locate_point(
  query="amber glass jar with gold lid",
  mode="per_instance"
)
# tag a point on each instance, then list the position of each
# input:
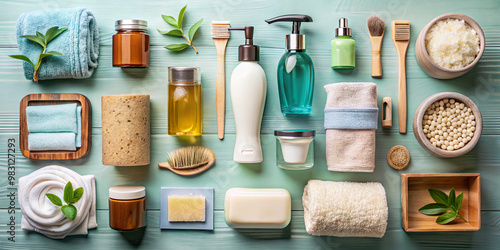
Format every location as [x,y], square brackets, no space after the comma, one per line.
[131,44]
[127,207]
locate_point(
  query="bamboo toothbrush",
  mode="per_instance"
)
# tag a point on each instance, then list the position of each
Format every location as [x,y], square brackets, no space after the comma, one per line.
[401,39]
[376,27]
[220,34]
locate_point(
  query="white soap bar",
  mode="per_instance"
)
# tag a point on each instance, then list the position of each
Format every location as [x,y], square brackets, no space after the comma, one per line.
[257,208]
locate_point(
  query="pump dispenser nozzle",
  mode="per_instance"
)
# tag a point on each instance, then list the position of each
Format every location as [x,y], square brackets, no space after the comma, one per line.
[248,51]
[294,41]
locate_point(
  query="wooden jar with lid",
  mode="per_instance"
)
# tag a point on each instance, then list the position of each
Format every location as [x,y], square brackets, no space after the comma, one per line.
[127,207]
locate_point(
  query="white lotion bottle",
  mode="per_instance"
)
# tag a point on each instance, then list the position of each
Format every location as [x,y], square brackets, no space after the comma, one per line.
[248,95]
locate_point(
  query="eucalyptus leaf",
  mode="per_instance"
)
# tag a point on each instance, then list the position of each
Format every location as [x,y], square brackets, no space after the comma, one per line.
[174,32]
[446,218]
[439,196]
[77,194]
[54,199]
[24,58]
[194,28]
[458,201]
[181,16]
[69,211]
[451,199]
[68,193]
[35,39]
[170,20]
[433,209]
[177,47]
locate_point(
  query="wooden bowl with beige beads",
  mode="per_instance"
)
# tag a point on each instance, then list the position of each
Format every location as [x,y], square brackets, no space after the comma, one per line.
[447,124]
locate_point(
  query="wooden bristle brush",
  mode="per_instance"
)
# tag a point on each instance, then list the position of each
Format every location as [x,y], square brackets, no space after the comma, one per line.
[376,27]
[189,160]
[401,39]
[220,34]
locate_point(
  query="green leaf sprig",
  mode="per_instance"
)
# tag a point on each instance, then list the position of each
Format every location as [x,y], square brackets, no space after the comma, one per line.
[179,32]
[70,197]
[443,204]
[44,41]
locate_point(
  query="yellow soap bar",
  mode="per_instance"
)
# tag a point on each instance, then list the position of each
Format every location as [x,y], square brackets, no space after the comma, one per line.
[186,208]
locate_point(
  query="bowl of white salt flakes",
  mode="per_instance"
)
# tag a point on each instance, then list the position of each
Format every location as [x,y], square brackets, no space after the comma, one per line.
[447,124]
[449,46]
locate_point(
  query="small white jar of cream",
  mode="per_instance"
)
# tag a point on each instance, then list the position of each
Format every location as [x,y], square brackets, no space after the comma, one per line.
[295,149]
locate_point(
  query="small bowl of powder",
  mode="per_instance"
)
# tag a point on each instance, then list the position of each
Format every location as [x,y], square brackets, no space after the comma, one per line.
[449,46]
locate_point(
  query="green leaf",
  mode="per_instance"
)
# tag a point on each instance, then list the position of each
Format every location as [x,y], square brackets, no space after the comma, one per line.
[50,32]
[170,20]
[174,32]
[446,218]
[54,33]
[433,209]
[177,47]
[35,39]
[54,199]
[49,53]
[41,36]
[69,211]
[181,16]
[439,196]
[68,193]
[458,201]
[24,58]
[193,29]
[451,198]
[77,194]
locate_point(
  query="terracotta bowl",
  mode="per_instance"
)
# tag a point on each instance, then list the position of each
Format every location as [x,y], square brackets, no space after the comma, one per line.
[424,141]
[434,70]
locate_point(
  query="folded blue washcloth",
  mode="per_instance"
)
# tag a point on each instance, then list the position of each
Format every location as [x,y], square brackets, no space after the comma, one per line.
[79,126]
[79,44]
[51,141]
[52,118]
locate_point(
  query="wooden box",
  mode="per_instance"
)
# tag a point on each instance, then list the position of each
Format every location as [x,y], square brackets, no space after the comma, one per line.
[54,99]
[415,194]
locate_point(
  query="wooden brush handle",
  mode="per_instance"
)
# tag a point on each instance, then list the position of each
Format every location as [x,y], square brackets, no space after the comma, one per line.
[402,109]
[220,89]
[376,43]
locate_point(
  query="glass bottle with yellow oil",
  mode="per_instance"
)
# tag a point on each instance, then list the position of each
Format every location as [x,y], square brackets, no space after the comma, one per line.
[185,116]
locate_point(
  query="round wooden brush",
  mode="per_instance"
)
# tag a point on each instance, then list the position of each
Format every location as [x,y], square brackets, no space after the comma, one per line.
[376,27]
[189,160]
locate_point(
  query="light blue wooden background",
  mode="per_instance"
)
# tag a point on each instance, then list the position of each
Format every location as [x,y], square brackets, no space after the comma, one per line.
[481,85]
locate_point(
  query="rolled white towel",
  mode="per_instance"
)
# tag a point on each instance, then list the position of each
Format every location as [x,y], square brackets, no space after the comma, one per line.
[345,209]
[41,215]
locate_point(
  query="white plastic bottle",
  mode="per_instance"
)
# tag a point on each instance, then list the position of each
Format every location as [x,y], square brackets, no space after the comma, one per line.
[248,95]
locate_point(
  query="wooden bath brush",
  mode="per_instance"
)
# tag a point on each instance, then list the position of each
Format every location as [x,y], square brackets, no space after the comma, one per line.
[189,160]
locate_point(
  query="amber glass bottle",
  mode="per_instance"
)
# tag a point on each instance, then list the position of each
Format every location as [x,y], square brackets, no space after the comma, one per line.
[185,115]
[131,44]
[127,207]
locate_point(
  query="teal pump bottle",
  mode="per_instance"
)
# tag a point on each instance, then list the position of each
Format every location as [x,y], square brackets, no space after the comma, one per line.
[343,47]
[295,70]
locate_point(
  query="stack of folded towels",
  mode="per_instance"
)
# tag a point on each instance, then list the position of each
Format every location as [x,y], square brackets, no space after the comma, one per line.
[54,127]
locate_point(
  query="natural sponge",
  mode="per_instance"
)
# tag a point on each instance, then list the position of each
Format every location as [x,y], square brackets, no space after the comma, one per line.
[345,209]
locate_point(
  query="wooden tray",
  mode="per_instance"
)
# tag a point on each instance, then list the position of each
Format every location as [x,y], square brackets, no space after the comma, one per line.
[51,99]
[415,194]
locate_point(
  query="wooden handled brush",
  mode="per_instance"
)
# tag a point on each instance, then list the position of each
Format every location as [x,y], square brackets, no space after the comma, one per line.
[401,39]
[376,27]
[189,160]
[220,34]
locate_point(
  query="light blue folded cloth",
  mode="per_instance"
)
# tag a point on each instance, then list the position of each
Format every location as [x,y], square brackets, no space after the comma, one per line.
[51,141]
[79,126]
[340,118]
[79,44]
[52,118]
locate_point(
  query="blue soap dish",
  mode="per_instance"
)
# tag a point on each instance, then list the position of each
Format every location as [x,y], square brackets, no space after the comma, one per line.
[208,224]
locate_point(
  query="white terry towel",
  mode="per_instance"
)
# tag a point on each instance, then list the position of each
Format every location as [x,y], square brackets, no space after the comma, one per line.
[351,150]
[345,209]
[41,215]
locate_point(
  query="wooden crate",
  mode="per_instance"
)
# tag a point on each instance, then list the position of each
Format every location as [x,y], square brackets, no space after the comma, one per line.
[415,194]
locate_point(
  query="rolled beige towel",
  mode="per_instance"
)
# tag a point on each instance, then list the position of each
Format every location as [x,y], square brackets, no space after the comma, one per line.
[125,130]
[345,209]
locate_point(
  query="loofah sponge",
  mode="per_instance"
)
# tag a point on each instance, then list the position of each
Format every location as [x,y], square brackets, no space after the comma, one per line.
[345,209]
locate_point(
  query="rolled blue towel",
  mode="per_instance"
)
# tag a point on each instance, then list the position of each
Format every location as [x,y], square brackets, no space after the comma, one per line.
[51,141]
[79,44]
[52,118]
